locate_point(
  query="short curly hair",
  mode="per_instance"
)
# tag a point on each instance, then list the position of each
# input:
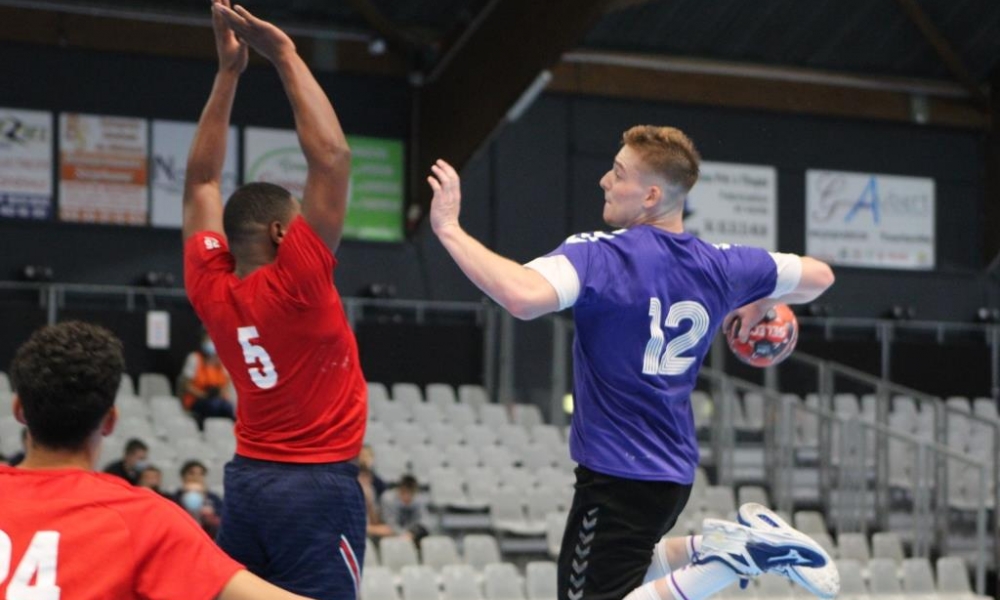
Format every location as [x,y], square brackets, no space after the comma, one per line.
[67,376]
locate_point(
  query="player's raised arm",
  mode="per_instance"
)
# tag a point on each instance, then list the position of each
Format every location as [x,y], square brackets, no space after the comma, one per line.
[328,156]
[524,292]
[203,180]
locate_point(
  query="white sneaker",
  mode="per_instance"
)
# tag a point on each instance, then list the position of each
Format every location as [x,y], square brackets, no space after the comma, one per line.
[820,580]
[752,551]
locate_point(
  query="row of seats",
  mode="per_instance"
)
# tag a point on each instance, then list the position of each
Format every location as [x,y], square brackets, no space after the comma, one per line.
[442,434]
[499,581]
[435,552]
[394,461]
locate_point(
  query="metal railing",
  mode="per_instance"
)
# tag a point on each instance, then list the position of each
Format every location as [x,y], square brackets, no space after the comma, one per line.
[846,467]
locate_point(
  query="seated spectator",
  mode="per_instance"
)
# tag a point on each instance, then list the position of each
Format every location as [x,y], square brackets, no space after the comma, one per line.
[205,384]
[404,510]
[205,506]
[132,464]
[151,478]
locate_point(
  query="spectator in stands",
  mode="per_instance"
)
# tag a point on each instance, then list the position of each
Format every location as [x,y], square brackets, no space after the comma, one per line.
[404,510]
[152,478]
[201,503]
[132,464]
[205,384]
[16,458]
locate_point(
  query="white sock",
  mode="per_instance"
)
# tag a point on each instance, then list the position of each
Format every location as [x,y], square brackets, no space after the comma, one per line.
[646,591]
[693,546]
[697,582]
[658,565]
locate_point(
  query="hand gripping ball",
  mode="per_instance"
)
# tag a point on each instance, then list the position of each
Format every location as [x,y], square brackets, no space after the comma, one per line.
[770,341]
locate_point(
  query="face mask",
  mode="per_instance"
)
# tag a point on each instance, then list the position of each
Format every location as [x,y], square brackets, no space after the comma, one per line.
[208,347]
[140,465]
[193,500]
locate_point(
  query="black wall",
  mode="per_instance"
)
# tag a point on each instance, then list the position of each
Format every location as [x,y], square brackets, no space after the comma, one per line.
[534,185]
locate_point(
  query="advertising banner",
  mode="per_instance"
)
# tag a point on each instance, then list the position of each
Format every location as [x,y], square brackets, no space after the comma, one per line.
[870,220]
[375,193]
[735,204]
[103,166]
[25,164]
[171,144]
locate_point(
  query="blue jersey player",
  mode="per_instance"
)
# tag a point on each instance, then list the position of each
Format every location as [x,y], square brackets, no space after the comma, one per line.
[647,298]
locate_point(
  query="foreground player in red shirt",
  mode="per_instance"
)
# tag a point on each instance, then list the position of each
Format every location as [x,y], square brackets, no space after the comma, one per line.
[260,276]
[69,533]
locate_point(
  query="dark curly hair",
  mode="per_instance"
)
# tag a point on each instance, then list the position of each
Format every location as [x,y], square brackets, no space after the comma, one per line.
[67,376]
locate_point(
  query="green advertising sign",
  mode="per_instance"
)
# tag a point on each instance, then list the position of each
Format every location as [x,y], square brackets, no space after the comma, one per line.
[375,192]
[375,205]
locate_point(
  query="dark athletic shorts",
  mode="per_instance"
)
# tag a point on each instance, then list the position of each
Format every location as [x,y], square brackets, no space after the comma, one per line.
[610,533]
[299,526]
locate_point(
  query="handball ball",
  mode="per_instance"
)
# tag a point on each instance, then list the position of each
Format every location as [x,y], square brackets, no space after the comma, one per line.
[770,341]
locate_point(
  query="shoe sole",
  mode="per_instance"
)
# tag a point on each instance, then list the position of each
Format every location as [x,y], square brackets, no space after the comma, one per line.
[726,536]
[824,581]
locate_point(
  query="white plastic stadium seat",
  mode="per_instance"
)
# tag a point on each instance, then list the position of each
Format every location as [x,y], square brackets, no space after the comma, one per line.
[528,415]
[883,579]
[441,395]
[460,583]
[473,395]
[540,580]
[480,550]
[854,546]
[886,544]
[918,579]
[438,551]
[377,583]
[154,384]
[397,552]
[419,583]
[502,582]
[953,579]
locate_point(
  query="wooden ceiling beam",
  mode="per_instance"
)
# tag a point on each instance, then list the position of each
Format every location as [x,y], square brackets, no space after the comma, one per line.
[744,91]
[467,96]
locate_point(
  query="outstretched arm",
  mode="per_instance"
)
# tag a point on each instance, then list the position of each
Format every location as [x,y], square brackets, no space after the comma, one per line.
[520,290]
[816,277]
[324,201]
[203,180]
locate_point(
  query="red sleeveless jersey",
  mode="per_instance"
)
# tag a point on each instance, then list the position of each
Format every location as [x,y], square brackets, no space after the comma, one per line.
[94,537]
[282,334]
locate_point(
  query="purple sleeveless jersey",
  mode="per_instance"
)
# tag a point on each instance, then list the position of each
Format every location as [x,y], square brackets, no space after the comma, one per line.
[649,304]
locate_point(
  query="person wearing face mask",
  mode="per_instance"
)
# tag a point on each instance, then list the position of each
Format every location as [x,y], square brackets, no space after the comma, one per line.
[203,505]
[205,384]
[132,464]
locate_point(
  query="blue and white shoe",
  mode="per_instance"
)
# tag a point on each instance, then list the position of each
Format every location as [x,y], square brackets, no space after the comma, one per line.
[751,551]
[822,581]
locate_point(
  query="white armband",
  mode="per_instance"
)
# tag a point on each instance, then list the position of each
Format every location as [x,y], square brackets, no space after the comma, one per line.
[789,273]
[561,275]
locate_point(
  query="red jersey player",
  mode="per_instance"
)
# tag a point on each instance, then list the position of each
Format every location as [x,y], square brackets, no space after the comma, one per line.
[260,276]
[68,533]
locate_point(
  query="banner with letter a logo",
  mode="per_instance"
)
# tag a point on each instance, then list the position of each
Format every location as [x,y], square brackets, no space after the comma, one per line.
[870,220]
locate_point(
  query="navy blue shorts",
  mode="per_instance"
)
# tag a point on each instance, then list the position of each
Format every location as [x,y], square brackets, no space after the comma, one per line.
[299,526]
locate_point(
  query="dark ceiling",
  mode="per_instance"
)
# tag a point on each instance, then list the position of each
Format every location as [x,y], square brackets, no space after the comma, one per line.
[873,37]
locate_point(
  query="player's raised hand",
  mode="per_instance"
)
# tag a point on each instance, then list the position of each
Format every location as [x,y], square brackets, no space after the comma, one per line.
[747,317]
[447,201]
[262,36]
[232,52]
